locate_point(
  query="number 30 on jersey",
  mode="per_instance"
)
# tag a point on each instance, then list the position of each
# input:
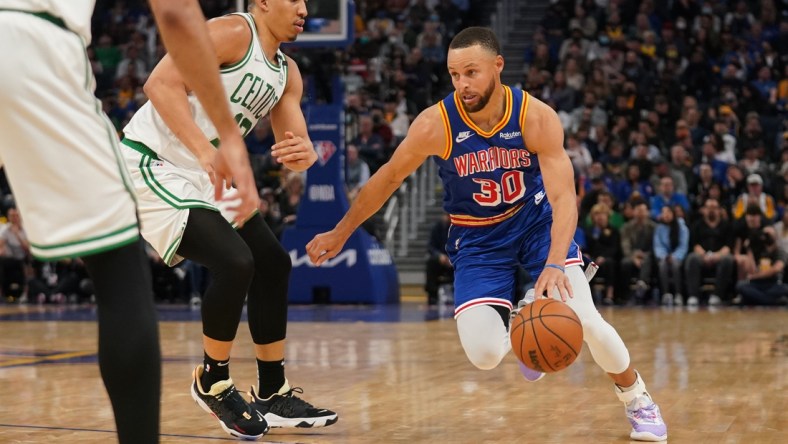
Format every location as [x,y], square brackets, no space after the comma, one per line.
[509,190]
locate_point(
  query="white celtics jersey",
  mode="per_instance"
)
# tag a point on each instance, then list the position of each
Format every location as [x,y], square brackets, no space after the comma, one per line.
[254,85]
[75,14]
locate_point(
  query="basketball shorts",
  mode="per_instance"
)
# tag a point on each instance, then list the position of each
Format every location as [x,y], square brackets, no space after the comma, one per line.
[166,193]
[486,259]
[59,149]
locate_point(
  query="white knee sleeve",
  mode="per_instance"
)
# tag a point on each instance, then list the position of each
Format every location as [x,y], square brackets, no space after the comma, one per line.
[483,336]
[603,341]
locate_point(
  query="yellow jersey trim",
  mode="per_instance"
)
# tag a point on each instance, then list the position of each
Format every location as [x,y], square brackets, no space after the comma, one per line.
[461,220]
[504,120]
[446,129]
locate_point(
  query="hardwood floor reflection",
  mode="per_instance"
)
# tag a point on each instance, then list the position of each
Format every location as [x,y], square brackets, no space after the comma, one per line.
[718,377]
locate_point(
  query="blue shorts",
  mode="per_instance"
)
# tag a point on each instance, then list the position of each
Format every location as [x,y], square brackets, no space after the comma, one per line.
[485,259]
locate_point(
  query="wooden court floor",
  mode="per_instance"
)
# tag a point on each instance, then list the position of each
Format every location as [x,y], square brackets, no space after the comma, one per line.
[719,377]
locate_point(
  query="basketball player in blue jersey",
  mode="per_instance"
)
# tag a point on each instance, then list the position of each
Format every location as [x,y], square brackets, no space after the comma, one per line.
[168,147]
[509,190]
[61,156]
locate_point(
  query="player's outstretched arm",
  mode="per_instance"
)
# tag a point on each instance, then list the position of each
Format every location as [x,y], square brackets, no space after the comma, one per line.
[425,138]
[293,148]
[545,137]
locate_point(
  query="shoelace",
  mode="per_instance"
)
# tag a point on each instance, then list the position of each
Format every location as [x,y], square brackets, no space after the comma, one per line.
[647,414]
[289,403]
[232,401]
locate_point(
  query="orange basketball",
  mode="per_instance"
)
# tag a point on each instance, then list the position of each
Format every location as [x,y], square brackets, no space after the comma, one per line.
[546,335]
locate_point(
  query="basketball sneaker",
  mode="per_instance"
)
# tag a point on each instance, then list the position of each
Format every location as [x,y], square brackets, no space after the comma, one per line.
[529,374]
[646,420]
[285,409]
[643,413]
[224,402]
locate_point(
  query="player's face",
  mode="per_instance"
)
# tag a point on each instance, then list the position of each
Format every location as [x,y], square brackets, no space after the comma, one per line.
[287,18]
[474,73]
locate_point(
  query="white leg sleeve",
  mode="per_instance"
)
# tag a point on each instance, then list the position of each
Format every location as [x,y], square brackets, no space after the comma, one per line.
[483,336]
[603,340]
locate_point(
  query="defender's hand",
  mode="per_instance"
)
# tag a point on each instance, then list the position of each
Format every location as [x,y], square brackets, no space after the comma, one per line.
[295,152]
[232,165]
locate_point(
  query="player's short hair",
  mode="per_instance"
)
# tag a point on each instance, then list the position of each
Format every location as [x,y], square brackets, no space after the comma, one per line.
[476,35]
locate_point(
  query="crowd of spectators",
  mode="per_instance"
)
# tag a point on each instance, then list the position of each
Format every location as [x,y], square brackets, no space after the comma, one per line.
[675,118]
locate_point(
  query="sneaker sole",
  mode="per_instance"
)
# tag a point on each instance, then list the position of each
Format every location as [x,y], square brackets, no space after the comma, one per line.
[646,436]
[275,421]
[231,432]
[537,379]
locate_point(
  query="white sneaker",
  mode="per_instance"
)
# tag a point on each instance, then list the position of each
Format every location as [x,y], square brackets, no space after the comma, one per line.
[678,300]
[692,301]
[714,300]
[646,420]
[642,413]
[667,299]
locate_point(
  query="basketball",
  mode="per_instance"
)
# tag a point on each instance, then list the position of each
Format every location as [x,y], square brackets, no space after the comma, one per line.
[546,335]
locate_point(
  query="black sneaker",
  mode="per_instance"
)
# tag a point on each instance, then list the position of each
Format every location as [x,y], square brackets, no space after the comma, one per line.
[285,409]
[224,402]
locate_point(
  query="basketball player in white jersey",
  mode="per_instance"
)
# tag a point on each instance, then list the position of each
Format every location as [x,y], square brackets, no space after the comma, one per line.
[169,149]
[61,158]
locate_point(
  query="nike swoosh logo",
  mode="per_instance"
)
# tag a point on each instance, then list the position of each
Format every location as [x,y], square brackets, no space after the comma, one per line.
[463,137]
[222,364]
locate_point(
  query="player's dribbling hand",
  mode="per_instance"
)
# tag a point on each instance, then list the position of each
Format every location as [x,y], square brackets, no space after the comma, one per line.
[231,164]
[551,279]
[324,246]
[295,152]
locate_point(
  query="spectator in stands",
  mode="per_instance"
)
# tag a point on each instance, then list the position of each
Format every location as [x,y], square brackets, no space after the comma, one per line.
[604,248]
[59,282]
[764,285]
[589,111]
[396,116]
[290,198]
[132,64]
[637,244]
[356,171]
[371,146]
[438,267]
[671,242]
[663,168]
[634,184]
[579,154]
[711,243]
[667,197]
[753,162]
[755,196]
[746,234]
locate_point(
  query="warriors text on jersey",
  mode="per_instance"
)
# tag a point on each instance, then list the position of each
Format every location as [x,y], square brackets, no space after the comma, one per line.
[254,86]
[489,175]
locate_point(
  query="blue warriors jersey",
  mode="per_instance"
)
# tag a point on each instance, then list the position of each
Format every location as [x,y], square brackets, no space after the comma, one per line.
[496,200]
[488,175]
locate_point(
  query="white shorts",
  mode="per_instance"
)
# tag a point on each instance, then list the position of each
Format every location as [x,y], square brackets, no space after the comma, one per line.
[59,149]
[165,193]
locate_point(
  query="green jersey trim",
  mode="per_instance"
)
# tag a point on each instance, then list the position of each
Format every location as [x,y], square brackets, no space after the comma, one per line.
[85,247]
[166,195]
[239,64]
